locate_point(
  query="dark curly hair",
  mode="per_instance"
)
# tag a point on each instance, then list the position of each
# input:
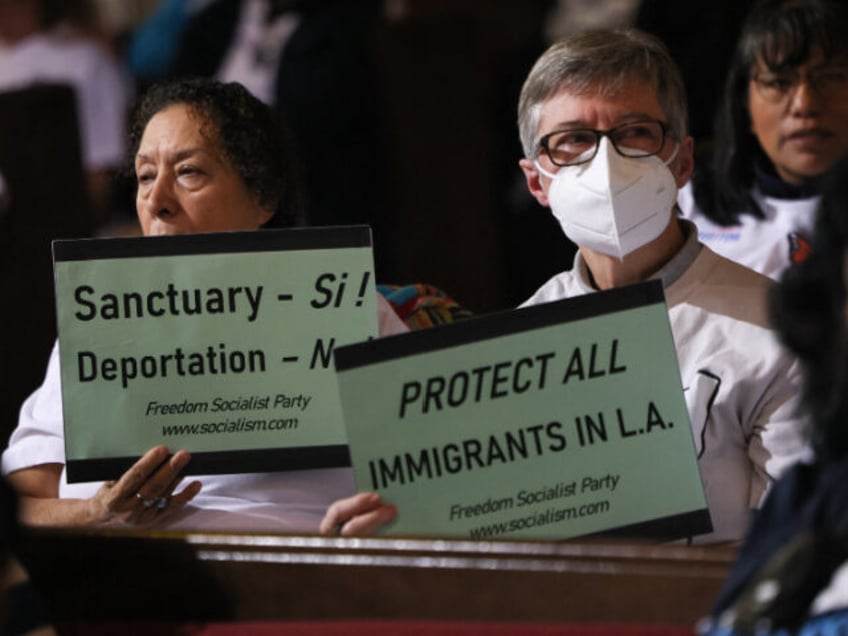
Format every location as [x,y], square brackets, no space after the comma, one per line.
[252,137]
[808,310]
[782,34]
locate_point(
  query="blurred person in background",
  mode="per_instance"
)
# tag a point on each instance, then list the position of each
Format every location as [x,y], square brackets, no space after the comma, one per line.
[52,41]
[22,612]
[791,573]
[782,123]
[314,61]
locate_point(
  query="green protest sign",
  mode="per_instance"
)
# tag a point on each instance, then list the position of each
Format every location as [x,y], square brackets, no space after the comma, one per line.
[554,421]
[220,344]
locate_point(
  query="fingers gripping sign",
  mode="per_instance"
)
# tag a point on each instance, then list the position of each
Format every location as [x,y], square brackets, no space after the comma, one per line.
[145,493]
[360,515]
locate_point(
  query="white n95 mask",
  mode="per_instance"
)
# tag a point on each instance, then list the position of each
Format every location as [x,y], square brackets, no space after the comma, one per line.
[613,204]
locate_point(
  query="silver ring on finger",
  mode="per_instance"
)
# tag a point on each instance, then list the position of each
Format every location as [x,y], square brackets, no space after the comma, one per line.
[147,503]
[160,503]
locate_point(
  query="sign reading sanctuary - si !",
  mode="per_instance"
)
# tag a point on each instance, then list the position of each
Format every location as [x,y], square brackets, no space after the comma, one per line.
[554,421]
[219,344]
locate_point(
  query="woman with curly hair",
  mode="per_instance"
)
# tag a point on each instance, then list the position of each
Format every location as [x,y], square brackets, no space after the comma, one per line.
[208,157]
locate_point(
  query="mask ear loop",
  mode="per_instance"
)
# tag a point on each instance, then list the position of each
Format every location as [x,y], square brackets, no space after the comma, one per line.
[549,175]
[673,156]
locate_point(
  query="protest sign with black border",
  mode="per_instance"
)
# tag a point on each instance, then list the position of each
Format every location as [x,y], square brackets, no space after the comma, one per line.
[219,344]
[560,420]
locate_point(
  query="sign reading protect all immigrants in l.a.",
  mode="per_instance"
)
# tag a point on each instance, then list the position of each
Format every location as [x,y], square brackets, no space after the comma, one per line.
[219,344]
[554,421]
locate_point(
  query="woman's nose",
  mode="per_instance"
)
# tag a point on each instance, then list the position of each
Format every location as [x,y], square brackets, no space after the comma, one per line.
[160,197]
[805,99]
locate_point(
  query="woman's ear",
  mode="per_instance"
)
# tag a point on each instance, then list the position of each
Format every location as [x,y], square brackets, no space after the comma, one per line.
[266,213]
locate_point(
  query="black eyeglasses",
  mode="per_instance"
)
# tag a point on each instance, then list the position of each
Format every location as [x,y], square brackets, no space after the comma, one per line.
[775,86]
[580,145]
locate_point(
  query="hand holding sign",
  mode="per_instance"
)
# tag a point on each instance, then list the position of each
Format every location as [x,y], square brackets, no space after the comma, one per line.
[357,516]
[145,493]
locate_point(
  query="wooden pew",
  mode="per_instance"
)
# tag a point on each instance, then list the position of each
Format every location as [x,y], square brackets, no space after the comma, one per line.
[127,576]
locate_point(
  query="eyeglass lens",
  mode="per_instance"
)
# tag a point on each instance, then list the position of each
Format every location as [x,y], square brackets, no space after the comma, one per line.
[576,146]
[775,86]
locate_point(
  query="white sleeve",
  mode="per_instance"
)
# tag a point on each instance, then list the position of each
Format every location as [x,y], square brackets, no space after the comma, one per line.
[780,434]
[40,436]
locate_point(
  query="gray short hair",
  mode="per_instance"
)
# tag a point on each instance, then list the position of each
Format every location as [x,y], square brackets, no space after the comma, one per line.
[601,62]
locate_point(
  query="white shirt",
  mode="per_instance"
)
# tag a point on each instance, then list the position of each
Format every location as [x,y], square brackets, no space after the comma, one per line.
[741,387]
[765,245]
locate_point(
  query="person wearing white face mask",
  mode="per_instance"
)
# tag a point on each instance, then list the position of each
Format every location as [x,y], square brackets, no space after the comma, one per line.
[603,199]
[602,118]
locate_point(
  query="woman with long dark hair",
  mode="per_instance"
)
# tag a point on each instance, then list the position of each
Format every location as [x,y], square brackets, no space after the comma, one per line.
[783,122]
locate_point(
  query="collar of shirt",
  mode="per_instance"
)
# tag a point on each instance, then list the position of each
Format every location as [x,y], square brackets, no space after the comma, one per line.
[668,273]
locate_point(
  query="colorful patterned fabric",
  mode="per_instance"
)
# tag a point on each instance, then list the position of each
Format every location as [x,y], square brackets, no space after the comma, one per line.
[421,306]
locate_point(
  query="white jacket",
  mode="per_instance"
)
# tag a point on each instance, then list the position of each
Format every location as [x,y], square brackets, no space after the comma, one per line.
[741,387]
